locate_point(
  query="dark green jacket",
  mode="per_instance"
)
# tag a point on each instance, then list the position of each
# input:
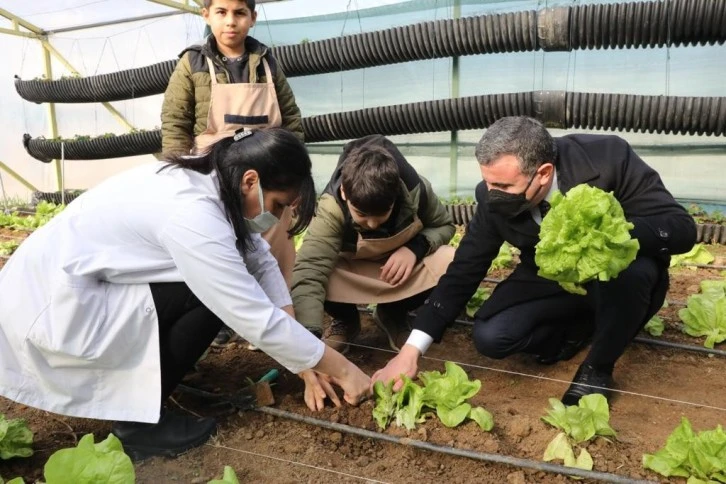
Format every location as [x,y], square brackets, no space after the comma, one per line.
[332,231]
[186,100]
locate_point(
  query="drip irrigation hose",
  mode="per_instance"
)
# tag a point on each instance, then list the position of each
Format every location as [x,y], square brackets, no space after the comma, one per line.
[470,454]
[635,24]
[556,109]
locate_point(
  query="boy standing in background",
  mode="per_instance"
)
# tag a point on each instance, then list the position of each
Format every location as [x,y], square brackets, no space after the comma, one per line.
[230,82]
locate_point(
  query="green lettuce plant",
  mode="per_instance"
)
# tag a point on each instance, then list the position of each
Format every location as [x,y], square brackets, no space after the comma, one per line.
[229,477]
[700,457]
[579,423]
[655,326]
[699,254]
[446,394]
[90,463]
[476,301]
[584,237]
[705,313]
[16,439]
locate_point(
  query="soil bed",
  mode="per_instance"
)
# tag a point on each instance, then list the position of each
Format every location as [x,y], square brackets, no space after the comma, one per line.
[263,448]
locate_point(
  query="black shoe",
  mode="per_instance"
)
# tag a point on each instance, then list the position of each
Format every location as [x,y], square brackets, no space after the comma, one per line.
[588,380]
[172,435]
[566,352]
[224,337]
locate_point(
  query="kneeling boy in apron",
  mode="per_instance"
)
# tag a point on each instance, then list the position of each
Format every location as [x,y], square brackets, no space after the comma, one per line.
[380,236]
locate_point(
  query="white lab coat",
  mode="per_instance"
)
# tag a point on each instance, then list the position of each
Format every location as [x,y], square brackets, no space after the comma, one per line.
[78,327]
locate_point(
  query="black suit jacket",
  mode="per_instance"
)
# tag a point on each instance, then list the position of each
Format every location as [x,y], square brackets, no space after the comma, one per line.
[662,226]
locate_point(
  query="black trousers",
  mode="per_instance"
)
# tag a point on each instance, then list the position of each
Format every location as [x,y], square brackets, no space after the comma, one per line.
[618,309]
[349,312]
[186,329]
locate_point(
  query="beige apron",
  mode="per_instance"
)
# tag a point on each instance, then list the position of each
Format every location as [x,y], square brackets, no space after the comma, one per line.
[239,105]
[355,278]
[249,105]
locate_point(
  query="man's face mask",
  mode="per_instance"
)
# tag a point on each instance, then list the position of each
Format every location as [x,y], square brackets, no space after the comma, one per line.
[262,222]
[510,204]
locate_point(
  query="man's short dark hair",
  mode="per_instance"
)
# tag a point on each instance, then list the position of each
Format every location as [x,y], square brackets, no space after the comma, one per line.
[250,4]
[371,180]
[523,137]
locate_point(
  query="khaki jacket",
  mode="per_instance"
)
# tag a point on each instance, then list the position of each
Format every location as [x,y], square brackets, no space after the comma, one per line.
[186,100]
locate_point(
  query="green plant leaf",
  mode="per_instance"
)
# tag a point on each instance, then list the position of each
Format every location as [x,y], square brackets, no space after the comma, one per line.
[89,463]
[16,439]
[476,301]
[655,326]
[482,417]
[451,417]
[229,477]
[584,237]
[581,422]
[705,313]
[699,254]
[445,393]
[385,403]
[699,457]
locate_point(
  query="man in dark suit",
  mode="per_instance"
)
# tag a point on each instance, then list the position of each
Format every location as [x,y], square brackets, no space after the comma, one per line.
[522,165]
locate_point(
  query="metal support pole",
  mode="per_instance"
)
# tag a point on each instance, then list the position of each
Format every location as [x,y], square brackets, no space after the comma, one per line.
[53,124]
[19,178]
[454,140]
[114,112]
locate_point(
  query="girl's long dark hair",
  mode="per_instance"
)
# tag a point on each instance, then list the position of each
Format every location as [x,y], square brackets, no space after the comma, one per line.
[281,162]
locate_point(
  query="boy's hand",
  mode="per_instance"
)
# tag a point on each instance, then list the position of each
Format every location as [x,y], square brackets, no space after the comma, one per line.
[399,266]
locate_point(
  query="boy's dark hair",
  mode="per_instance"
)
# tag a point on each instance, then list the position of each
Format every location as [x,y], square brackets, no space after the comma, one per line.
[250,4]
[279,158]
[371,180]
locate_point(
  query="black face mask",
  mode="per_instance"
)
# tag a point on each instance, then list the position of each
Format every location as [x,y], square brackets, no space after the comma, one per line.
[509,204]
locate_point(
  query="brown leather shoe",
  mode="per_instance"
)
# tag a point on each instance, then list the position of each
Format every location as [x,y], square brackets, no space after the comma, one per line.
[394,324]
[340,333]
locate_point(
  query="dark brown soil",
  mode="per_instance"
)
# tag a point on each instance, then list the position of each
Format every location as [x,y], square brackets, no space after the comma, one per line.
[660,386]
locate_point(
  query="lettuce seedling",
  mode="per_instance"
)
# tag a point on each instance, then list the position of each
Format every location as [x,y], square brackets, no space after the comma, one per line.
[705,313]
[584,237]
[699,254]
[89,463]
[446,394]
[16,438]
[229,477]
[581,422]
[476,301]
[699,457]
[655,326]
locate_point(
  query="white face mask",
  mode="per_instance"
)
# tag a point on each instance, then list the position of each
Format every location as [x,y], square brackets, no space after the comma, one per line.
[262,222]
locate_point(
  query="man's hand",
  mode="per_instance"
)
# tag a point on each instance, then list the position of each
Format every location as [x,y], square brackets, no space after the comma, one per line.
[404,363]
[317,387]
[399,266]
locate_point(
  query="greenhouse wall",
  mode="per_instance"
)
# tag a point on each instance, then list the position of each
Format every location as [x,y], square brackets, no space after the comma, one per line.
[693,167]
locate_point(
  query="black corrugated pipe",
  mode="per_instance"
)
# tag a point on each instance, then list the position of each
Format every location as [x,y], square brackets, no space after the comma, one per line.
[556,109]
[635,24]
[131,144]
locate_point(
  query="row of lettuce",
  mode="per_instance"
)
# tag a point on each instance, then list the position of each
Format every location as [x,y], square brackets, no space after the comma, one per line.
[698,456]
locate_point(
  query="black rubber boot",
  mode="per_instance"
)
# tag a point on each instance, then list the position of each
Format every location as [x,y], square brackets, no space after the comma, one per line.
[172,435]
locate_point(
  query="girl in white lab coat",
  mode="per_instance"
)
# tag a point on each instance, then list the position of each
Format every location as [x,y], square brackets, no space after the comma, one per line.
[104,309]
